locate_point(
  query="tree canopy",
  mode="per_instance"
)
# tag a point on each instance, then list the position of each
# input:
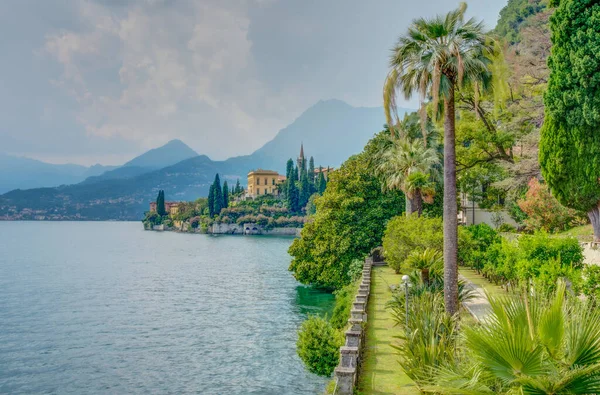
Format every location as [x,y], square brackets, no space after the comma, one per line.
[350,220]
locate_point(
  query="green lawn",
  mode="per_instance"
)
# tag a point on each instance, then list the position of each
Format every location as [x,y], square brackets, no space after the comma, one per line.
[479,280]
[380,371]
[582,233]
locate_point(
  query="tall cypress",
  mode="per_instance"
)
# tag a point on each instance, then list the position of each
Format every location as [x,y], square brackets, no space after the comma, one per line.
[321,183]
[160,203]
[211,201]
[292,196]
[238,187]
[311,171]
[570,142]
[218,205]
[304,189]
[225,194]
[289,168]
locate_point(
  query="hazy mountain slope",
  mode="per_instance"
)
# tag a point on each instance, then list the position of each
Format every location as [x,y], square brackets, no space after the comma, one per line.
[330,130]
[157,158]
[18,172]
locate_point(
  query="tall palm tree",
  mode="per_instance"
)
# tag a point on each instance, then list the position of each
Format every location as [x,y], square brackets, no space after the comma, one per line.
[529,345]
[435,58]
[408,165]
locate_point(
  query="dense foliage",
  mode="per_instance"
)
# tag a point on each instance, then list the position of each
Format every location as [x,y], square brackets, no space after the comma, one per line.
[318,345]
[405,235]
[538,258]
[513,15]
[350,219]
[532,344]
[570,142]
[544,212]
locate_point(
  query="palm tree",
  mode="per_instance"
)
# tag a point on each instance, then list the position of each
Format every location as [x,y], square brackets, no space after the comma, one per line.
[435,58]
[408,165]
[529,345]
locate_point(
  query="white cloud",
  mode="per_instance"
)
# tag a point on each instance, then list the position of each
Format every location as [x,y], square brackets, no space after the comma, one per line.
[165,65]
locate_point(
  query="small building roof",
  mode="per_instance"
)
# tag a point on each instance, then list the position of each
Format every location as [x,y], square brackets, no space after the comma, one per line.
[264,172]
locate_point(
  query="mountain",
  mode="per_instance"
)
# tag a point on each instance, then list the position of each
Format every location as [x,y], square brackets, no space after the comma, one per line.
[173,152]
[331,131]
[19,172]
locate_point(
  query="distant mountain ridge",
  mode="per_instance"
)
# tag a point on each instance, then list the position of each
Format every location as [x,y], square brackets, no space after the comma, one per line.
[24,173]
[331,131]
[157,158]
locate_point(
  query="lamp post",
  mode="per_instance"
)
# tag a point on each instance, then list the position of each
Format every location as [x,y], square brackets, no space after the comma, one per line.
[405,279]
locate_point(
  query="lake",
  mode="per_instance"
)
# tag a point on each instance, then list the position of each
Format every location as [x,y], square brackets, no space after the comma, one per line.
[106,307]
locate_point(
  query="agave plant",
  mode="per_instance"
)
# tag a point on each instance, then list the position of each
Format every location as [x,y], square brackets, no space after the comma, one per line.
[534,344]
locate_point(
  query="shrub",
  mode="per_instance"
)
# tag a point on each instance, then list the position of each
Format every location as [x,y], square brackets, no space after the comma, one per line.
[404,235]
[475,243]
[591,282]
[544,212]
[318,345]
[430,338]
[343,304]
[507,228]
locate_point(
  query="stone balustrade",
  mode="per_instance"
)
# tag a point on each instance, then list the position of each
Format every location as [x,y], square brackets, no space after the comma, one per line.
[346,373]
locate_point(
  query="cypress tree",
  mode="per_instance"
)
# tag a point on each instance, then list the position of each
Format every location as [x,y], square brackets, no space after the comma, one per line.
[225,194]
[160,203]
[311,171]
[238,187]
[289,168]
[570,138]
[305,190]
[321,183]
[218,204]
[211,201]
[292,196]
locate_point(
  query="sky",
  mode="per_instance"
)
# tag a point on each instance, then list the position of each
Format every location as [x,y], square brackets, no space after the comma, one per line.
[100,81]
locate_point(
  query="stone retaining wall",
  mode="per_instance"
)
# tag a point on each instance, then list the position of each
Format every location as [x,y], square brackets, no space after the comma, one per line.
[346,373]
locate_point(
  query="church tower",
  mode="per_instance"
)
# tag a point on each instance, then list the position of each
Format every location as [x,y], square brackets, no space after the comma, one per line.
[301,160]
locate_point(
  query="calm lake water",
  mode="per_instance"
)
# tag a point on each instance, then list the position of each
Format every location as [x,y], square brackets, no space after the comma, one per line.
[89,308]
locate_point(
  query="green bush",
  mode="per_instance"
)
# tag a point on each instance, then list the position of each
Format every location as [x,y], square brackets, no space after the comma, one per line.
[318,345]
[507,228]
[343,304]
[538,258]
[591,282]
[404,235]
[476,241]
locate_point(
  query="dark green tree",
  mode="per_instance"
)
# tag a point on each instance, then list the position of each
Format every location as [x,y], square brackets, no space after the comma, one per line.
[160,203]
[349,222]
[289,168]
[292,196]
[211,201]
[311,171]
[238,187]
[305,189]
[321,182]
[225,194]
[218,204]
[570,137]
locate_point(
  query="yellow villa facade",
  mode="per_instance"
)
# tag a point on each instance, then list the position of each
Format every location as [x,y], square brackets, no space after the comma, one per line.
[263,182]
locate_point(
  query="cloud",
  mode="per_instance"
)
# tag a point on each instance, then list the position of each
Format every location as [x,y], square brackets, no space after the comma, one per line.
[100,78]
[166,65]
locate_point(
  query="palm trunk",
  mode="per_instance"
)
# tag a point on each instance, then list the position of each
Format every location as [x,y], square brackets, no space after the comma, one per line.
[450,208]
[418,203]
[409,205]
[594,215]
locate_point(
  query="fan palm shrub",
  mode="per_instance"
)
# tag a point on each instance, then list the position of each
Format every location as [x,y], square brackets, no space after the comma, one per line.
[533,344]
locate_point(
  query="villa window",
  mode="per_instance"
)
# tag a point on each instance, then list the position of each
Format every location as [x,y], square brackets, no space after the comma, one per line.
[258,191]
[266,182]
[258,181]
[273,181]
